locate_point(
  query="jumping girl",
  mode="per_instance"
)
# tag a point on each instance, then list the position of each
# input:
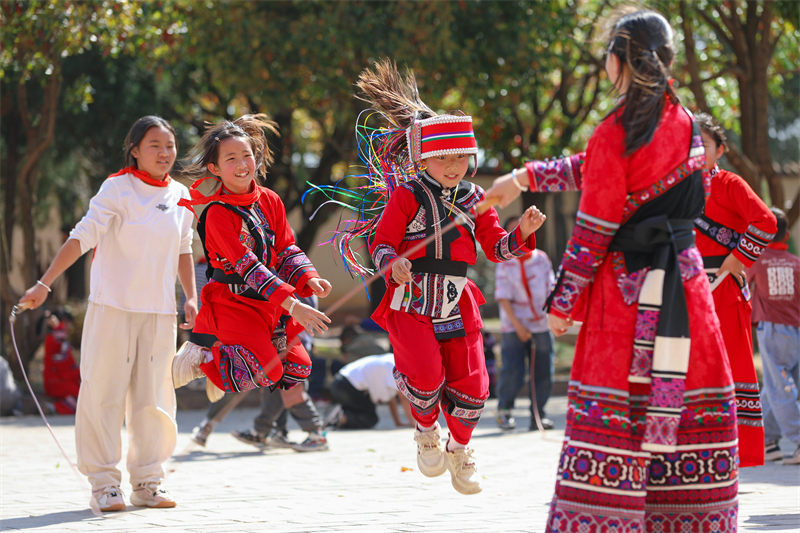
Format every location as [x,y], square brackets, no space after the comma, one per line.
[431,308]
[245,234]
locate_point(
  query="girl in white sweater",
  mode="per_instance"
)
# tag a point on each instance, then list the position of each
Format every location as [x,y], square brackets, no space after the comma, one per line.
[142,242]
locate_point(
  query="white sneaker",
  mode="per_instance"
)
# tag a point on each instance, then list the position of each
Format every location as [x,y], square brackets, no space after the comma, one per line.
[108,499]
[430,453]
[151,494]
[186,364]
[213,392]
[466,479]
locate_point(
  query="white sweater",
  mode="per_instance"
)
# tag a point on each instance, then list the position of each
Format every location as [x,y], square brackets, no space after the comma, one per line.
[139,231]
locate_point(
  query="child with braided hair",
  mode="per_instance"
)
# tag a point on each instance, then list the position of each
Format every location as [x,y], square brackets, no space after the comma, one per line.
[245,233]
[429,298]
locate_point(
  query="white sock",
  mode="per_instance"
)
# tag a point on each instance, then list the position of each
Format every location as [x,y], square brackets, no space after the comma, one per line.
[425,429]
[452,445]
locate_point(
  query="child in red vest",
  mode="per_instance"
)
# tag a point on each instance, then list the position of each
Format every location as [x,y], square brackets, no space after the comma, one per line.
[429,298]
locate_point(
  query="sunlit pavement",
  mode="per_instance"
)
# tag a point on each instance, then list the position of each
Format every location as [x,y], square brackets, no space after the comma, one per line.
[368,481]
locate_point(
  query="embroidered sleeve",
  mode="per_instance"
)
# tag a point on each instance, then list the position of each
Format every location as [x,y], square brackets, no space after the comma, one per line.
[752,244]
[585,252]
[762,225]
[557,175]
[383,255]
[605,191]
[498,245]
[261,279]
[295,268]
[395,218]
[223,230]
[511,246]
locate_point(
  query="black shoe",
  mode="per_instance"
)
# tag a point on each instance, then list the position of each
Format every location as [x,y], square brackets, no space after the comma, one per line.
[251,437]
[546,424]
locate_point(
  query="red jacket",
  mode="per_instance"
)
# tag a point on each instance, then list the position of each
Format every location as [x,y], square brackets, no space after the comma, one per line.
[733,204]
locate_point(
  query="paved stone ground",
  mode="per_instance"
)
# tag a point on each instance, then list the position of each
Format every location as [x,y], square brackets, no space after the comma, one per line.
[367,482]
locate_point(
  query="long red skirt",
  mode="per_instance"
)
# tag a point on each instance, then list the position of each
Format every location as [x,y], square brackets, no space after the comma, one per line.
[247,358]
[734,317]
[606,482]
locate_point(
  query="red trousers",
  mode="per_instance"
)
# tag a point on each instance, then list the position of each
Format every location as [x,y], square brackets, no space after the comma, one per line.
[447,375]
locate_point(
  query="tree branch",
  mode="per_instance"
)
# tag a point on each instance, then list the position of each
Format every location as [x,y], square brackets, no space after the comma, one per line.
[730,69]
[721,35]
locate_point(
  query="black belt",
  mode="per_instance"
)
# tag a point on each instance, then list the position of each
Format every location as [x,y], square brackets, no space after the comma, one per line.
[662,238]
[647,236]
[713,261]
[235,279]
[444,267]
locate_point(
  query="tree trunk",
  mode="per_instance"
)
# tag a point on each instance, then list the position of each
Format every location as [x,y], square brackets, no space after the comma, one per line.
[39,134]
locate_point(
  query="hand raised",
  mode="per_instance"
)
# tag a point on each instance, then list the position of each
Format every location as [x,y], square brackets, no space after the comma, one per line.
[531,220]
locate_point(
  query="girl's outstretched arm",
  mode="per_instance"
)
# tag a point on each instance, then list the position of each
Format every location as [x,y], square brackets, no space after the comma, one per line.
[69,253]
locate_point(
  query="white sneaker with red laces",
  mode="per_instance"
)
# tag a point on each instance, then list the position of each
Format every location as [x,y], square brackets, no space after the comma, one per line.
[466,479]
[108,499]
[150,494]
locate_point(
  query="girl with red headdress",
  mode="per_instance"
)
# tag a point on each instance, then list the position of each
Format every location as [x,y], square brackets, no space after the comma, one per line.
[429,298]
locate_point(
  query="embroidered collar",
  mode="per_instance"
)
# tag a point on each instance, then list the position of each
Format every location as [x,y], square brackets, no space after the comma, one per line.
[431,182]
[144,176]
[714,171]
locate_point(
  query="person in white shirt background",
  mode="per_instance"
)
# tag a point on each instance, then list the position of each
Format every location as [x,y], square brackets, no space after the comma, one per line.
[358,387]
[142,242]
[521,288]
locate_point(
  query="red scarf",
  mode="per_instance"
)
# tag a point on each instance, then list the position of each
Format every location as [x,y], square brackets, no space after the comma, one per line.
[525,279]
[144,176]
[222,195]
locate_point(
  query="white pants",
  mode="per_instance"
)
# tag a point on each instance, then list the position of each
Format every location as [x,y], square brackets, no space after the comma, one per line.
[125,373]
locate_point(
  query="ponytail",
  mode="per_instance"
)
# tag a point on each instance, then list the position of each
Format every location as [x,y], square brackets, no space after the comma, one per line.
[643,41]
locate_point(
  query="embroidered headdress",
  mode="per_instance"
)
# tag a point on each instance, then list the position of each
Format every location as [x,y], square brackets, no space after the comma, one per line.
[441,135]
[409,132]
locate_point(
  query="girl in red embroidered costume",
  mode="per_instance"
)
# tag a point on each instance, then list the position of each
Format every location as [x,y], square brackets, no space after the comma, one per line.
[142,242]
[733,230]
[651,440]
[245,234]
[429,298]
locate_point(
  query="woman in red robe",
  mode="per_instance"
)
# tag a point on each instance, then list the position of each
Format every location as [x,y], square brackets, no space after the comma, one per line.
[651,440]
